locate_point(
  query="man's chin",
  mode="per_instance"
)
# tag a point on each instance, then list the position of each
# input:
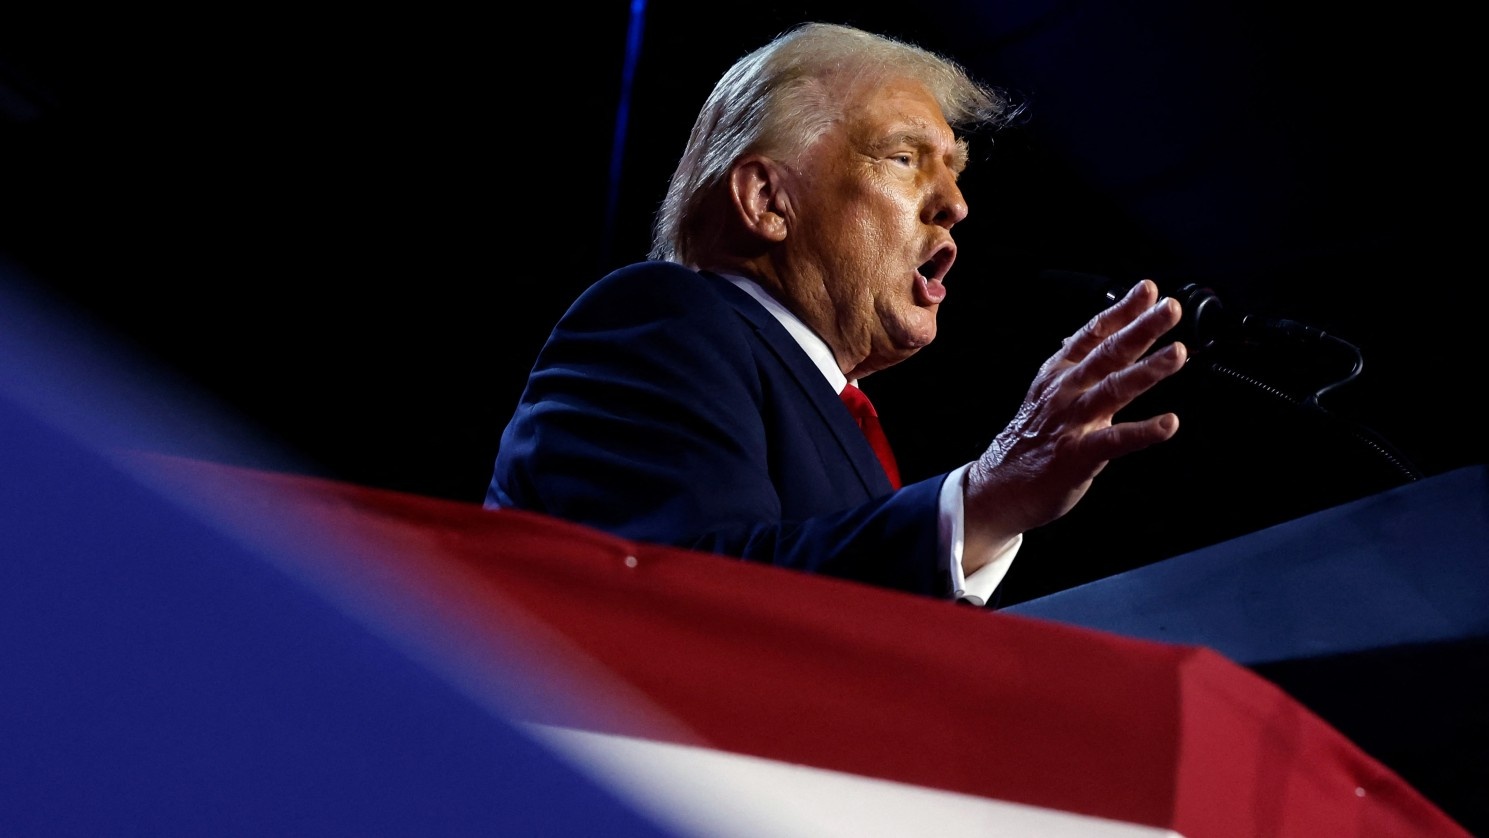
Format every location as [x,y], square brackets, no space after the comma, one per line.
[917,331]
[900,347]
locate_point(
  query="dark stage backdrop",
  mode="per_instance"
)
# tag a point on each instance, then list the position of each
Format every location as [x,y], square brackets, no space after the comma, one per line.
[356,230]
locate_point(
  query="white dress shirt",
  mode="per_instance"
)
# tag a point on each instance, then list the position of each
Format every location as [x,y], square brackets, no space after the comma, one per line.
[976,587]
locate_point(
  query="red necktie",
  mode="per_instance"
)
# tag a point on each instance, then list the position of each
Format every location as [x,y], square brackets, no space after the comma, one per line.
[868,419]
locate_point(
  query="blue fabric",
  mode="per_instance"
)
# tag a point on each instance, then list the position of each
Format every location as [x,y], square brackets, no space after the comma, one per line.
[162,677]
[668,406]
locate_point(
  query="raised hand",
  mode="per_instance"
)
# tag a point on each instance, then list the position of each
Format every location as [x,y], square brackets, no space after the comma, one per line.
[1043,462]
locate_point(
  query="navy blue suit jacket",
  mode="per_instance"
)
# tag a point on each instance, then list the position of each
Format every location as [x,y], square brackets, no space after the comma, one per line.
[669,406]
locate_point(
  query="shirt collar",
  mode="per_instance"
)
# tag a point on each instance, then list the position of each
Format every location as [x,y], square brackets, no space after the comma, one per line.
[810,342]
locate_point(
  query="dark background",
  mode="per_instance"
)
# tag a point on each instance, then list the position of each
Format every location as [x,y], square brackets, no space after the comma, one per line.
[355,230]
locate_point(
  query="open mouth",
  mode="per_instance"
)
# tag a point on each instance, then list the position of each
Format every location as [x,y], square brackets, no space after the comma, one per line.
[929,289]
[936,268]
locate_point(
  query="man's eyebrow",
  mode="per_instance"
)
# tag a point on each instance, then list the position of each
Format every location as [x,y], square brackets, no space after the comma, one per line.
[959,156]
[920,140]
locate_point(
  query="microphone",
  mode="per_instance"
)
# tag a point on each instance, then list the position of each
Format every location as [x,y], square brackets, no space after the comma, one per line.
[1205,322]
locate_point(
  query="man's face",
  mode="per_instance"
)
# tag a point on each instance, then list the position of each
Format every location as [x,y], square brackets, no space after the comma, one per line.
[871,213]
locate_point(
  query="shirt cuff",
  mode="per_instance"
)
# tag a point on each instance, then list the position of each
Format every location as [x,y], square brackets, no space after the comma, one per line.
[977,587]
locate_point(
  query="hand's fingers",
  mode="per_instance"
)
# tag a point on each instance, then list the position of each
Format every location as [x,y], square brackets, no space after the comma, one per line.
[1125,438]
[1085,419]
[1115,391]
[1140,298]
[1125,346]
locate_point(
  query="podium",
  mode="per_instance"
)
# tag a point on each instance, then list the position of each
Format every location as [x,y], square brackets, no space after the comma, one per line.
[1374,614]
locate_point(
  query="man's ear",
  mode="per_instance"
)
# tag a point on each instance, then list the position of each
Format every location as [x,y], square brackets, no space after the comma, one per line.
[757,188]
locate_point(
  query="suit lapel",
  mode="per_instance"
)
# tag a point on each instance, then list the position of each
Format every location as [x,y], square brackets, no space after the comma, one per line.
[815,389]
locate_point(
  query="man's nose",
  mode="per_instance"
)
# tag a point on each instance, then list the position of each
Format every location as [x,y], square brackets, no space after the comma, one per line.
[946,205]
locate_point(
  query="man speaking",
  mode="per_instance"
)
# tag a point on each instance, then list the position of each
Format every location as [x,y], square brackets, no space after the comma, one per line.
[707,397]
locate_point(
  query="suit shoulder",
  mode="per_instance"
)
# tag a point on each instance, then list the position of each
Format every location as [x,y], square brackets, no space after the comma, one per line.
[663,290]
[651,272]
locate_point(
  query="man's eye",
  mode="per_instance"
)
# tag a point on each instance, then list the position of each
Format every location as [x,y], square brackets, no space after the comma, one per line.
[903,158]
